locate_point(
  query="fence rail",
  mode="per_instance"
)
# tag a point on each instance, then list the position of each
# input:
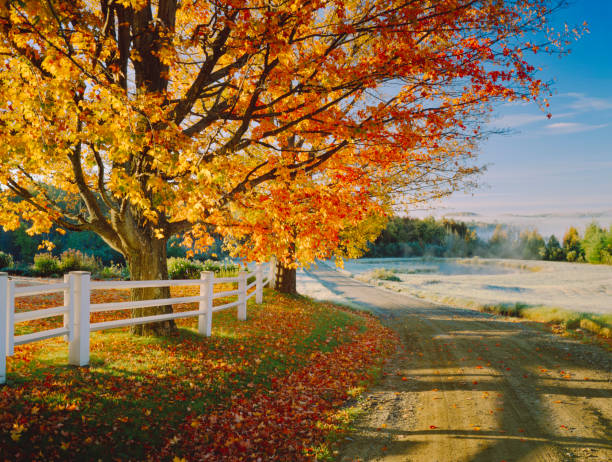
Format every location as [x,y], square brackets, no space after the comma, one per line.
[77,308]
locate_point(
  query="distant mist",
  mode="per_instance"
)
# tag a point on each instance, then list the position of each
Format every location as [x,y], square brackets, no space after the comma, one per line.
[546,223]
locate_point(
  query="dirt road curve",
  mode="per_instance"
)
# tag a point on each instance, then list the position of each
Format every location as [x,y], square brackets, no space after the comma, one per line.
[467,386]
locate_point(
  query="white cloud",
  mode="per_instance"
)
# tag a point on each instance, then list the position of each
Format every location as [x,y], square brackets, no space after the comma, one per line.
[562,128]
[524,118]
[584,103]
[518,120]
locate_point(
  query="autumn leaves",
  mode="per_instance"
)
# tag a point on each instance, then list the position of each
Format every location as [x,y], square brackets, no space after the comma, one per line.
[269,388]
[280,126]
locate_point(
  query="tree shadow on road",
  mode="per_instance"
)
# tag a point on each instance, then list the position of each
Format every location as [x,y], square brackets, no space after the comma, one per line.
[539,400]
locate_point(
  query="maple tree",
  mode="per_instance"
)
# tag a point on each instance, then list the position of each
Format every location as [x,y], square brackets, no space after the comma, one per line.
[330,214]
[154,117]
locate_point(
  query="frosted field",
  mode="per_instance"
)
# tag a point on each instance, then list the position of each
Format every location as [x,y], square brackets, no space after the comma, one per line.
[579,287]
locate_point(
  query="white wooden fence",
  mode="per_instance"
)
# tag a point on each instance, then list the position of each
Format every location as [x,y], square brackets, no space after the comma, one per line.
[77,307]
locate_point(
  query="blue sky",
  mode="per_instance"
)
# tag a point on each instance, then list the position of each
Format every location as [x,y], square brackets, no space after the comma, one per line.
[561,166]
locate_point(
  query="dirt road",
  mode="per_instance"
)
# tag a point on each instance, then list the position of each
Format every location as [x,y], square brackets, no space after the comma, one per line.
[467,386]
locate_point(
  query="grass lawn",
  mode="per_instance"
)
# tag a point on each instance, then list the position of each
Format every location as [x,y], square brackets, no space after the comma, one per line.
[272,387]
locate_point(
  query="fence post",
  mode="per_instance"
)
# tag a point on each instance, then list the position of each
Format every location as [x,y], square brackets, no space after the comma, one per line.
[69,304]
[78,348]
[259,283]
[4,292]
[10,319]
[206,290]
[272,273]
[242,291]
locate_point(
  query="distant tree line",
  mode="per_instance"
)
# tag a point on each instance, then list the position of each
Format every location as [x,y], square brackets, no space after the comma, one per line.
[402,237]
[22,253]
[413,237]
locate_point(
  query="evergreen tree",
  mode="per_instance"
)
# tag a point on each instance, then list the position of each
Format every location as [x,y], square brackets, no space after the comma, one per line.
[553,250]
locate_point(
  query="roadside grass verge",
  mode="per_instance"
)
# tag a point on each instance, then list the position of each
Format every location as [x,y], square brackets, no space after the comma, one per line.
[567,320]
[598,324]
[272,387]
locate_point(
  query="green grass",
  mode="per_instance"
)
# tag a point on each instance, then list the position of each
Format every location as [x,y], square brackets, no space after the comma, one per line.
[328,333]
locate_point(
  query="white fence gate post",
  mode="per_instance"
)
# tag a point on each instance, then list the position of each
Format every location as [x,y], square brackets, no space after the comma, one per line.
[78,348]
[259,283]
[206,290]
[242,291]
[69,303]
[4,292]
[272,273]
[10,319]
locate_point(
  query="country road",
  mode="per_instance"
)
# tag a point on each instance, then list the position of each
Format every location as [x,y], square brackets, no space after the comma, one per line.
[468,386]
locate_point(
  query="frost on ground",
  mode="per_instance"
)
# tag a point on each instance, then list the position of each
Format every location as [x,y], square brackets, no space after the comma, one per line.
[578,287]
[309,286]
[313,287]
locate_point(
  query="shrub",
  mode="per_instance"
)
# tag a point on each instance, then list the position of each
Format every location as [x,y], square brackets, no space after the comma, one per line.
[224,268]
[114,271]
[183,268]
[385,275]
[75,260]
[6,260]
[46,264]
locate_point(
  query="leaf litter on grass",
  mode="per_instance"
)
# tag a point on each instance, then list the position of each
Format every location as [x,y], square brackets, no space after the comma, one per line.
[270,387]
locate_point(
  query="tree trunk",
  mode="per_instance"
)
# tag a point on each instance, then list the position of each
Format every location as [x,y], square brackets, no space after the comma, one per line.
[285,279]
[149,263]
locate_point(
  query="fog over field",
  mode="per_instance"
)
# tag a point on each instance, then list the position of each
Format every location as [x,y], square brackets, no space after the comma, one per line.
[575,286]
[547,223]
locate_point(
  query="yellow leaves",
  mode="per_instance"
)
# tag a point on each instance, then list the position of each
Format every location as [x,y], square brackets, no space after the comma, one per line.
[166,55]
[205,175]
[135,4]
[46,245]
[17,430]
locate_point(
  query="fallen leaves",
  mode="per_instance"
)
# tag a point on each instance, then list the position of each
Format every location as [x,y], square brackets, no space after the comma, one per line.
[269,387]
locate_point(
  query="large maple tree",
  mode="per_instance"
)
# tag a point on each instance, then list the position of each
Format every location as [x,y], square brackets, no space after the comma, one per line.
[154,117]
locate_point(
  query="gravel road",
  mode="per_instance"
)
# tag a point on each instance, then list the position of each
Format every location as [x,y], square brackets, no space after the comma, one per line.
[467,386]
